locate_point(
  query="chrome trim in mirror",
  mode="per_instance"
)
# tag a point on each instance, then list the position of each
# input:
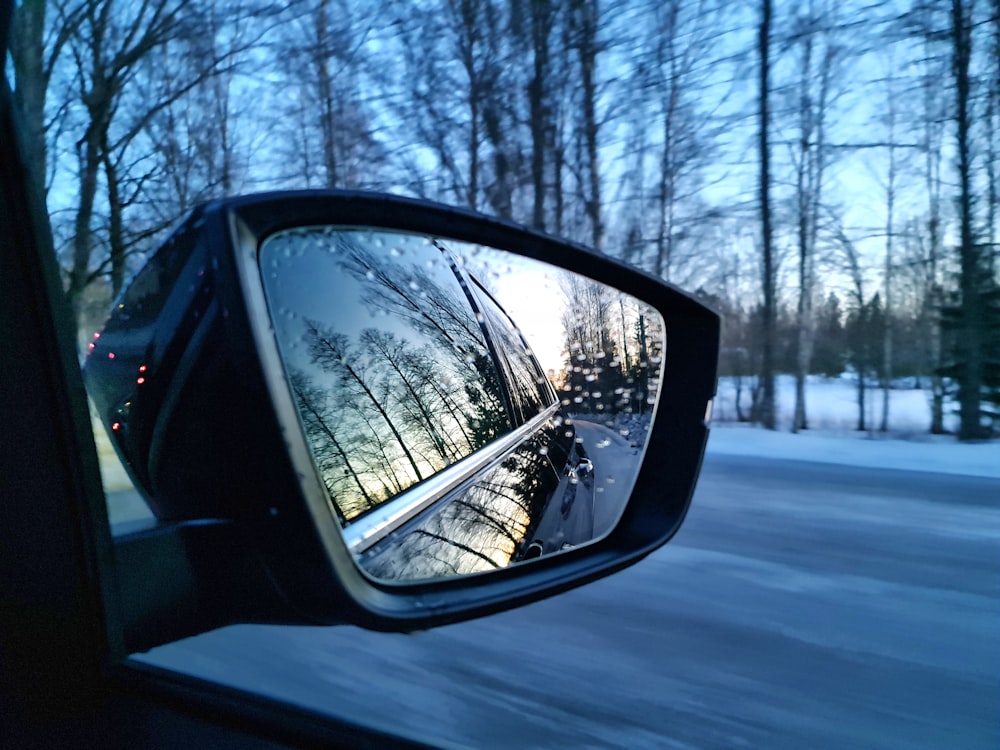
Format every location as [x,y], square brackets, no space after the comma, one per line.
[372,527]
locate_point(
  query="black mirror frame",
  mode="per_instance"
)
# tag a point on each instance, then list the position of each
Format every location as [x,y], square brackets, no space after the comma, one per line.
[293,539]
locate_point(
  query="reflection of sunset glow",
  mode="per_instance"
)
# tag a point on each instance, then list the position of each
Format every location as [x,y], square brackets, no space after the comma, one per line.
[529,292]
[389,366]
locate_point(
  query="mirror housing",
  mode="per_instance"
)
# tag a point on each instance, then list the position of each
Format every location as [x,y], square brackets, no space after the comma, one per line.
[204,423]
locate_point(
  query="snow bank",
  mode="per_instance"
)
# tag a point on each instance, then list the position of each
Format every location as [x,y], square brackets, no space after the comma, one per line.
[832,403]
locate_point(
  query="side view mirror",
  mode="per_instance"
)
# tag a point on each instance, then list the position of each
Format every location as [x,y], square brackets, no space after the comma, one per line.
[350,407]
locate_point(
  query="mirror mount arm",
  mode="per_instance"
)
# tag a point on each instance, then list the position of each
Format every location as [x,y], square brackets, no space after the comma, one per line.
[180,579]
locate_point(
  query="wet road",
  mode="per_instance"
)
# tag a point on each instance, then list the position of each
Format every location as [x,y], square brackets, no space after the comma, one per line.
[802,605]
[588,510]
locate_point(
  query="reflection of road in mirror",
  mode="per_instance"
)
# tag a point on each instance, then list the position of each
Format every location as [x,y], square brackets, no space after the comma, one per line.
[596,503]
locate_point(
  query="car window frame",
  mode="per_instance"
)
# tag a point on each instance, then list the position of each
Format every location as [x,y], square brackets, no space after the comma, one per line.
[68,680]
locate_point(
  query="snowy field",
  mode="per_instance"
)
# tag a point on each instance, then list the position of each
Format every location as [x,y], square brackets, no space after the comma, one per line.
[832,404]
[832,411]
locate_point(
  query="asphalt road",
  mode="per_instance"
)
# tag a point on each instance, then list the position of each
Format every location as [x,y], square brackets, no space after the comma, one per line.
[597,502]
[802,605]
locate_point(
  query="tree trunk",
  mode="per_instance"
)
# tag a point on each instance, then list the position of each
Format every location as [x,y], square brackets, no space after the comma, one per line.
[321,59]
[861,399]
[887,327]
[971,325]
[90,165]
[27,49]
[116,238]
[540,112]
[766,415]
[585,13]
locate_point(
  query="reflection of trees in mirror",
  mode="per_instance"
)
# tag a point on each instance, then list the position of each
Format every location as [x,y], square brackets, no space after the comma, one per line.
[393,414]
[387,405]
[409,291]
[484,525]
[614,345]
[402,364]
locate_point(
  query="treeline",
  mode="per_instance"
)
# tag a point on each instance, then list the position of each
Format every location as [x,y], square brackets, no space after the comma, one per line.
[771,156]
[849,342]
[613,351]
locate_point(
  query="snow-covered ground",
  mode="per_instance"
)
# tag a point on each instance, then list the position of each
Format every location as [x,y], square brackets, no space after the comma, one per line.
[832,404]
[832,411]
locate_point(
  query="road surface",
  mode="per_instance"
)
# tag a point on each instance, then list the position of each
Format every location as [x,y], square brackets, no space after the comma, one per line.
[597,503]
[802,605]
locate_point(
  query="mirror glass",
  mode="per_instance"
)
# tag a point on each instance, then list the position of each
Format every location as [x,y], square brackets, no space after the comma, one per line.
[466,408]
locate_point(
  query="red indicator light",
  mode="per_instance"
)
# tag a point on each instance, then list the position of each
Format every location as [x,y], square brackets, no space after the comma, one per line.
[142,368]
[111,355]
[115,426]
[140,381]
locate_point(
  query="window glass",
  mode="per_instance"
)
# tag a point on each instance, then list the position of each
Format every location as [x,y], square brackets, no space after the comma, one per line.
[529,390]
[797,592]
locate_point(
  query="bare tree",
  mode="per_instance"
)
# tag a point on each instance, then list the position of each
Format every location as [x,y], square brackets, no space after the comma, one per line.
[856,325]
[818,54]
[971,338]
[36,43]
[541,105]
[766,414]
[324,58]
[584,20]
